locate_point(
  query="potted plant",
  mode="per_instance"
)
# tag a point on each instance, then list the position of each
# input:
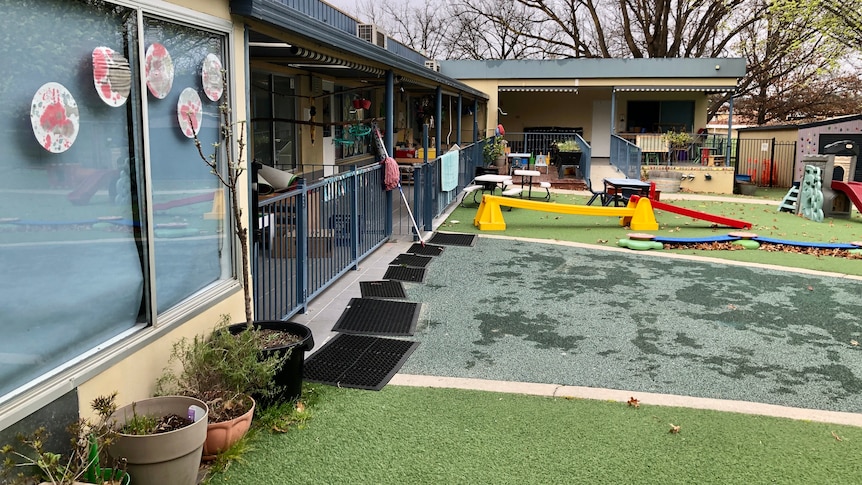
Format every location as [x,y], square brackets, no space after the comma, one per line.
[83,462]
[161,439]
[566,153]
[494,150]
[286,340]
[677,143]
[225,370]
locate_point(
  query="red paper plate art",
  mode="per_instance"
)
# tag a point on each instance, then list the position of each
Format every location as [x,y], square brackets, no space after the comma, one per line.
[189,112]
[159,71]
[111,75]
[211,77]
[55,118]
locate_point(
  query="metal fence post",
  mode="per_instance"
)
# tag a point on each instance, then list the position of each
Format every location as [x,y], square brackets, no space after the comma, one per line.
[302,246]
[354,219]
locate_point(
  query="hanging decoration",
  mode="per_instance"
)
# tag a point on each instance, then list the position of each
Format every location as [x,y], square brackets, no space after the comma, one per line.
[159,70]
[189,112]
[211,77]
[111,76]
[359,130]
[55,118]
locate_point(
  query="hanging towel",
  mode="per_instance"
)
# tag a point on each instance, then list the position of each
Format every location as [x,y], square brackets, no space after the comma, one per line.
[391,174]
[449,171]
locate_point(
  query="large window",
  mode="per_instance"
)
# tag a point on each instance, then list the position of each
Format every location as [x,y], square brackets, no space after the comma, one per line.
[273,111]
[75,254]
[660,116]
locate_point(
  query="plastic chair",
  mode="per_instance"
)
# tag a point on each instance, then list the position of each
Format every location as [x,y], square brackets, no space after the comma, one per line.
[603,196]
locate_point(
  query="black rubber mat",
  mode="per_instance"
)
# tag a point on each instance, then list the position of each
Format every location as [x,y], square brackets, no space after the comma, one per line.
[448,239]
[370,316]
[382,289]
[358,361]
[403,273]
[426,250]
[411,260]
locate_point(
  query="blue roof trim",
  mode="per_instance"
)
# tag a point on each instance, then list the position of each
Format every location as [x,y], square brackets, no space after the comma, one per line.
[279,15]
[676,68]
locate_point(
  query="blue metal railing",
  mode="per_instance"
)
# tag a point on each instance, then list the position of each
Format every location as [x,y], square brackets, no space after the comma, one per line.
[429,201]
[626,156]
[308,237]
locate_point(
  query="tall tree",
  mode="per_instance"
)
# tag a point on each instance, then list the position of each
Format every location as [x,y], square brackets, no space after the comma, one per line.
[425,27]
[489,29]
[788,58]
[639,28]
[844,21]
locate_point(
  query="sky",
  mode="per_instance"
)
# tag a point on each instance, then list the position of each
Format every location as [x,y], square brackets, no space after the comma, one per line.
[347,6]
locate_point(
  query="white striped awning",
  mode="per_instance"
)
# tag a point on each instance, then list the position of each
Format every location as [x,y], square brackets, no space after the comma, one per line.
[537,89]
[710,89]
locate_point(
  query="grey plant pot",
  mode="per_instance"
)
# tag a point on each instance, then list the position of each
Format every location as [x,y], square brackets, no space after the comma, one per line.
[165,458]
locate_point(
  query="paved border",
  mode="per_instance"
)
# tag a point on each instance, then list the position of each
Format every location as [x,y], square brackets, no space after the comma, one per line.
[646,398]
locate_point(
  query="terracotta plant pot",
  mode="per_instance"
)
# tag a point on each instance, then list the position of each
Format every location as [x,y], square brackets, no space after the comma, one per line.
[159,459]
[222,435]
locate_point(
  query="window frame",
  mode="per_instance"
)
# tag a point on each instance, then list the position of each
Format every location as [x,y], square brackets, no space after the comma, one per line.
[18,403]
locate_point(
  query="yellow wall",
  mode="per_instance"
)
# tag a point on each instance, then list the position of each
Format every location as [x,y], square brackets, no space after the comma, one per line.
[780,135]
[575,109]
[215,8]
[720,181]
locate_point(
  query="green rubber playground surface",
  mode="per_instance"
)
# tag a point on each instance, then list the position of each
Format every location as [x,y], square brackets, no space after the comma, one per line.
[605,231]
[539,312]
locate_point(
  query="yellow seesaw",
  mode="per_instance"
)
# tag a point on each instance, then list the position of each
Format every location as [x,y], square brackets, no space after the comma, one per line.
[637,215]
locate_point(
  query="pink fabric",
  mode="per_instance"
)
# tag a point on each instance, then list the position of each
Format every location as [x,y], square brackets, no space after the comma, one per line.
[391,174]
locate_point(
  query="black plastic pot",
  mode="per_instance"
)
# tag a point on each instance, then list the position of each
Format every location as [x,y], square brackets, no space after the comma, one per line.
[289,377]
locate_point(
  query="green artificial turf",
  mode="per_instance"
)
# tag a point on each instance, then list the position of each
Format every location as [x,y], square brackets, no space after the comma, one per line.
[418,435]
[765,219]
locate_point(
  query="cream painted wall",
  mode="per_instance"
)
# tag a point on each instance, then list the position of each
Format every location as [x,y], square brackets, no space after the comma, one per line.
[215,8]
[549,109]
[134,376]
[580,113]
[780,135]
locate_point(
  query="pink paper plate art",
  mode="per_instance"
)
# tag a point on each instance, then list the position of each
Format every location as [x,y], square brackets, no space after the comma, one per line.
[159,71]
[189,112]
[211,77]
[55,118]
[112,76]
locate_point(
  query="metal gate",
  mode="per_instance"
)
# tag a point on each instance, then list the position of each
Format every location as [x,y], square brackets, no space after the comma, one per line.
[769,163]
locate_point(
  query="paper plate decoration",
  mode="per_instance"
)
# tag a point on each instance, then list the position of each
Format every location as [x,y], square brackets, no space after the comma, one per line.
[159,70]
[111,75]
[55,118]
[211,77]
[189,112]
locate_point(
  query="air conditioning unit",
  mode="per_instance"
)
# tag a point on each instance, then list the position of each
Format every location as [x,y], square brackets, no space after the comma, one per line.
[433,65]
[371,33]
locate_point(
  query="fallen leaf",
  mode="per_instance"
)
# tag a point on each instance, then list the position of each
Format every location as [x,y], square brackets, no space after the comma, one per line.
[836,436]
[674,429]
[854,343]
[602,241]
[731,306]
[810,288]
[634,402]
[300,406]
